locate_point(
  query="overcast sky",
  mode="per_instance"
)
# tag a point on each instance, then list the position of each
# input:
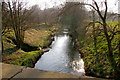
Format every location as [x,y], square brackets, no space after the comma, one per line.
[112,4]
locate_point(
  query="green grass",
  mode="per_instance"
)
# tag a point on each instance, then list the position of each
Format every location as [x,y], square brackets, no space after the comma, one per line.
[112,22]
[8,45]
[109,23]
[98,65]
[33,37]
[22,58]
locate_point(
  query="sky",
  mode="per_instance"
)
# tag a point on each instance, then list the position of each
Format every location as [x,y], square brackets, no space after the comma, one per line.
[112,4]
[48,3]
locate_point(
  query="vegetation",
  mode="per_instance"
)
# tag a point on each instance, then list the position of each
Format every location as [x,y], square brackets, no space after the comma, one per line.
[26,56]
[74,16]
[37,37]
[108,34]
[15,17]
[95,33]
[99,42]
[97,64]
[23,36]
[22,58]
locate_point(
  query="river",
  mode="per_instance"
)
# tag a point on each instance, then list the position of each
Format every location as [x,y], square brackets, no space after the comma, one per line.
[62,57]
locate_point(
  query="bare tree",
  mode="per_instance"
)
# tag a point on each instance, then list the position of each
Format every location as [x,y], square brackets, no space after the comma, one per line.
[18,17]
[5,18]
[109,37]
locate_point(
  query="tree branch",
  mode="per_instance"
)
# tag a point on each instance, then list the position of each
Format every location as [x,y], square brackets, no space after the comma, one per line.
[94,23]
[98,10]
[105,15]
[113,34]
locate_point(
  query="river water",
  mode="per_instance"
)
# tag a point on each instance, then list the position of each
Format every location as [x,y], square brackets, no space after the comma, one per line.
[62,57]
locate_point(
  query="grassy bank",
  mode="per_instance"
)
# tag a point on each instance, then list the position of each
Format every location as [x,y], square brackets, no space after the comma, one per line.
[97,64]
[37,37]
[22,58]
[34,37]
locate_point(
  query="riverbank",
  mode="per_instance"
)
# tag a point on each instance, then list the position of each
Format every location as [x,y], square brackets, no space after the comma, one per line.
[96,60]
[36,41]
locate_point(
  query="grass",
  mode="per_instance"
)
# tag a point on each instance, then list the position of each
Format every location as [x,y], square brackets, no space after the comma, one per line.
[8,42]
[109,23]
[22,58]
[34,37]
[37,37]
[97,64]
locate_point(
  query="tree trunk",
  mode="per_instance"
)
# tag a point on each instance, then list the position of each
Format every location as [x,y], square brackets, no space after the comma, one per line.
[2,45]
[94,35]
[19,38]
[110,51]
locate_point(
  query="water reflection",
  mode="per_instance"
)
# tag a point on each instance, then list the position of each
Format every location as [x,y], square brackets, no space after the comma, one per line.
[61,58]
